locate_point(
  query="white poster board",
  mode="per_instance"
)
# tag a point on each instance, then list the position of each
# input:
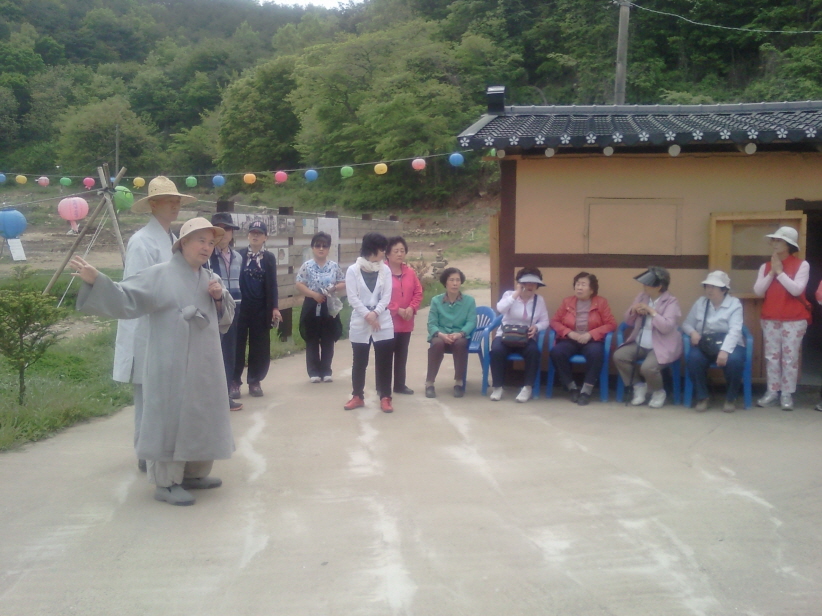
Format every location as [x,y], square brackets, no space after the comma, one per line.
[332,227]
[16,249]
[308,226]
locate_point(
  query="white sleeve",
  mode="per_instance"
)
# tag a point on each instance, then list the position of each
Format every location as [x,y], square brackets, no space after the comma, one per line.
[796,286]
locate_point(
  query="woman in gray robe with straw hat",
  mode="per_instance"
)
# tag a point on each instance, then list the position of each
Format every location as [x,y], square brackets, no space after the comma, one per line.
[185,424]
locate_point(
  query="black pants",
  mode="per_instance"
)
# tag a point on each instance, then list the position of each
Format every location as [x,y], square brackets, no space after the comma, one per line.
[383,356]
[228,342]
[401,342]
[254,327]
[499,357]
[320,333]
[592,351]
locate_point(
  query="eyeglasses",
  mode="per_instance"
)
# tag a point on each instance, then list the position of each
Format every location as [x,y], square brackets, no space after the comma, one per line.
[321,246]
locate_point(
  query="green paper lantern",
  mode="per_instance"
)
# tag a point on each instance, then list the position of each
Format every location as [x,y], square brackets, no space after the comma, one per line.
[65,181]
[191,181]
[123,198]
[346,172]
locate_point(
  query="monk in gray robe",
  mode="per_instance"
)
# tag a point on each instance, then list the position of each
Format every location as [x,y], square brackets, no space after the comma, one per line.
[185,424]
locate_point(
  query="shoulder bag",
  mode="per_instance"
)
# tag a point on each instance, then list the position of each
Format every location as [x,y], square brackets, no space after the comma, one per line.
[710,344]
[516,336]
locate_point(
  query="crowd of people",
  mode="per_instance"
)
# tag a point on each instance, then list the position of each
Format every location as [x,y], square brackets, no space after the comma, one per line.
[185,301]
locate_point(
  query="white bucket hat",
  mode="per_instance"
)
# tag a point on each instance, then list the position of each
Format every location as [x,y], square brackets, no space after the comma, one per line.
[718,278]
[195,224]
[787,234]
[160,186]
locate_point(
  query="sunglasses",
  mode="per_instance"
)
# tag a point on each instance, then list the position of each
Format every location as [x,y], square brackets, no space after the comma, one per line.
[321,246]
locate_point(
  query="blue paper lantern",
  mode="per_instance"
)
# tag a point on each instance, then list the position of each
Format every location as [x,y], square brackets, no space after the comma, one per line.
[218,181]
[2,178]
[311,175]
[456,159]
[12,224]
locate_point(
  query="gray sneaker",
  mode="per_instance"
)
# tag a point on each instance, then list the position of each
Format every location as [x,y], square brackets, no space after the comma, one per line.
[786,402]
[771,398]
[175,495]
[202,483]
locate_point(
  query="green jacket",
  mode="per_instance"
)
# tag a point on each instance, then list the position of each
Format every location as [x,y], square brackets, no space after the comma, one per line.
[461,316]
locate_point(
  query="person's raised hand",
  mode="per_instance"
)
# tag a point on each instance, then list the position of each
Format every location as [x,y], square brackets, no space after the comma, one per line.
[776,265]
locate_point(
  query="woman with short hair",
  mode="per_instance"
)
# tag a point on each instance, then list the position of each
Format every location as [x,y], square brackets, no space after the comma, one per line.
[452,319]
[368,285]
[522,306]
[406,298]
[715,315]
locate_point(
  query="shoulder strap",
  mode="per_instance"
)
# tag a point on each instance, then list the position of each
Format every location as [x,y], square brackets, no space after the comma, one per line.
[705,317]
[533,310]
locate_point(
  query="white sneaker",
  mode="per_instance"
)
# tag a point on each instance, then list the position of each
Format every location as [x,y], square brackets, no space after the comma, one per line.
[315,379]
[328,379]
[769,399]
[658,399]
[640,391]
[524,394]
[496,394]
[786,402]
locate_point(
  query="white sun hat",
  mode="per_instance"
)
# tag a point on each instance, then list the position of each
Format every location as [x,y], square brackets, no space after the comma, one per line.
[787,234]
[195,224]
[160,186]
[718,278]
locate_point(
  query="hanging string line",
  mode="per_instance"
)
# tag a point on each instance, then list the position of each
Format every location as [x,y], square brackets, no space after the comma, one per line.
[699,23]
[85,254]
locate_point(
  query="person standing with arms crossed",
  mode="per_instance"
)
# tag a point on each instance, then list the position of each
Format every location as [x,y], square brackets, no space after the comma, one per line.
[149,246]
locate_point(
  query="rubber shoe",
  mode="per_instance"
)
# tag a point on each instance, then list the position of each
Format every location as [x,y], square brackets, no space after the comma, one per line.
[201,483]
[234,392]
[355,403]
[769,399]
[404,390]
[385,405]
[496,394]
[640,391]
[233,405]
[729,406]
[524,394]
[658,399]
[328,379]
[786,402]
[574,394]
[818,407]
[175,495]
[255,390]
[430,392]
[315,379]
[701,406]
[459,391]
[584,399]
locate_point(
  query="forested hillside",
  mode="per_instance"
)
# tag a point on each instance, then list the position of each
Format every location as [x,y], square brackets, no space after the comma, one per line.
[199,86]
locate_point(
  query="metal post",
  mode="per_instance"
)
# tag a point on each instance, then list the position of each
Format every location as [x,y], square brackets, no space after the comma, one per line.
[622,52]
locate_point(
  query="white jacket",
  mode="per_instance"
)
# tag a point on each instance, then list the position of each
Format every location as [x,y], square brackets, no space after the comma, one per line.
[360,297]
[149,246]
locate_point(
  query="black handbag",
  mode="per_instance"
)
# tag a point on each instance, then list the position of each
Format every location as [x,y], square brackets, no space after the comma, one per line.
[710,344]
[516,336]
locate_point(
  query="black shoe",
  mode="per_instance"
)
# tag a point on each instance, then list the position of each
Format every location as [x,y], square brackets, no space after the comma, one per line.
[574,395]
[234,391]
[233,405]
[255,390]
[459,391]
[404,390]
[430,392]
[584,399]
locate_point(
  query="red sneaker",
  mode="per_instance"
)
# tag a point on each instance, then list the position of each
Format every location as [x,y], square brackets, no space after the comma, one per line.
[385,405]
[355,403]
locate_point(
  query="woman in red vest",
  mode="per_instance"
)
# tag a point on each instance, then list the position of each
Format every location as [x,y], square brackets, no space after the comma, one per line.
[785,315]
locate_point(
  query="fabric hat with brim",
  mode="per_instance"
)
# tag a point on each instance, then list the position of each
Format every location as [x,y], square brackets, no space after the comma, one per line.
[195,224]
[224,220]
[787,234]
[160,186]
[718,278]
[531,278]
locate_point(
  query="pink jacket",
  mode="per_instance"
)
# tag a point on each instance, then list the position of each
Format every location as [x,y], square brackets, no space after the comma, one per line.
[406,291]
[665,337]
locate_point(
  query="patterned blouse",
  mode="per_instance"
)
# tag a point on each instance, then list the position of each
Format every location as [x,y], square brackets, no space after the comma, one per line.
[317,277]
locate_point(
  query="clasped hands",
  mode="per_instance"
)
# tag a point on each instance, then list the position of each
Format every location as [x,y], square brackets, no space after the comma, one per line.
[776,265]
[643,309]
[577,337]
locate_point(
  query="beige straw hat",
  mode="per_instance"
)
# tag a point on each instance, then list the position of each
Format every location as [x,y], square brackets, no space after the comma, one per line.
[160,186]
[195,224]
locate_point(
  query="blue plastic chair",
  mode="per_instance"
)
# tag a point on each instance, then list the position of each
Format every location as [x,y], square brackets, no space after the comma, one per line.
[747,388]
[486,364]
[485,316]
[676,372]
[580,359]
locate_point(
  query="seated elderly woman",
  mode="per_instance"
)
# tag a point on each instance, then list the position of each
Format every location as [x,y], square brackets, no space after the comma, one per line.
[714,325]
[452,319]
[581,323]
[654,315]
[185,424]
[522,306]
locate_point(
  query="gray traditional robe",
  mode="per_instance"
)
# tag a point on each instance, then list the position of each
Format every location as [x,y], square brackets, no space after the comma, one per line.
[185,399]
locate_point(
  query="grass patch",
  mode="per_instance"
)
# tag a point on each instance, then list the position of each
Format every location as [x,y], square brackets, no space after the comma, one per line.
[71,383]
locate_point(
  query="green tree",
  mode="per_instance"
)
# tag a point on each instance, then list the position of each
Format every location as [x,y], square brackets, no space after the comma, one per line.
[195,149]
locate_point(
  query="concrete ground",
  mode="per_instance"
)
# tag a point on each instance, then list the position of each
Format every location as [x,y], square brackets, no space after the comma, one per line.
[445,507]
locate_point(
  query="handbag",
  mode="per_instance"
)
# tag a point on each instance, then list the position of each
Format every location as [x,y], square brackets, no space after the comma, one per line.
[710,344]
[516,336]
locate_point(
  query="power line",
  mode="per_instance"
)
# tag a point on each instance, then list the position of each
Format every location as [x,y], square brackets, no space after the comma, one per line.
[699,23]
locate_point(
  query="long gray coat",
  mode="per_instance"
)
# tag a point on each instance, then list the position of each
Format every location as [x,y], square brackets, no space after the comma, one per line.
[185,399]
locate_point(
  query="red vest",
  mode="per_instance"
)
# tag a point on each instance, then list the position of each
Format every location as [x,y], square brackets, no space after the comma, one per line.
[779,305]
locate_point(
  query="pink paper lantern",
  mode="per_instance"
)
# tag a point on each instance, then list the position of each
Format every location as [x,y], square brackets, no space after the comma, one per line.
[280,177]
[73,209]
[88,183]
[418,164]
[43,181]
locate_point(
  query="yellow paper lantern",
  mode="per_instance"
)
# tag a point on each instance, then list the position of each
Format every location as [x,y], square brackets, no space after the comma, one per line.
[21,179]
[380,168]
[139,182]
[249,178]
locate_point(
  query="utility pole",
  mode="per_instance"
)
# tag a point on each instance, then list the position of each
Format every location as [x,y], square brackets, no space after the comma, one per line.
[622,52]
[116,146]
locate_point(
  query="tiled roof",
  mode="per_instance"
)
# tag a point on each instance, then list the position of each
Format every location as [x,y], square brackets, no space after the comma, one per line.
[644,126]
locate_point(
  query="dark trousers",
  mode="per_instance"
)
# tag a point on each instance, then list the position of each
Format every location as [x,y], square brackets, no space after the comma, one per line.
[499,357]
[592,351]
[437,350]
[228,342]
[698,363]
[254,327]
[383,356]
[401,342]
[319,340]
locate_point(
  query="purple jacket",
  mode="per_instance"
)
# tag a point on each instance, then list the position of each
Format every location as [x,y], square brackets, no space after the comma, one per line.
[665,335]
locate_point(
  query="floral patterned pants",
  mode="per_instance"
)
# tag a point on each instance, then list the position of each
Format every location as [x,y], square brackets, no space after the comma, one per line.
[783,340]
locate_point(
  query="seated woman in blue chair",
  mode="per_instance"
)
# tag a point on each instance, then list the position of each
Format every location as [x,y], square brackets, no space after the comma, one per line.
[716,321]
[522,306]
[655,339]
[581,323]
